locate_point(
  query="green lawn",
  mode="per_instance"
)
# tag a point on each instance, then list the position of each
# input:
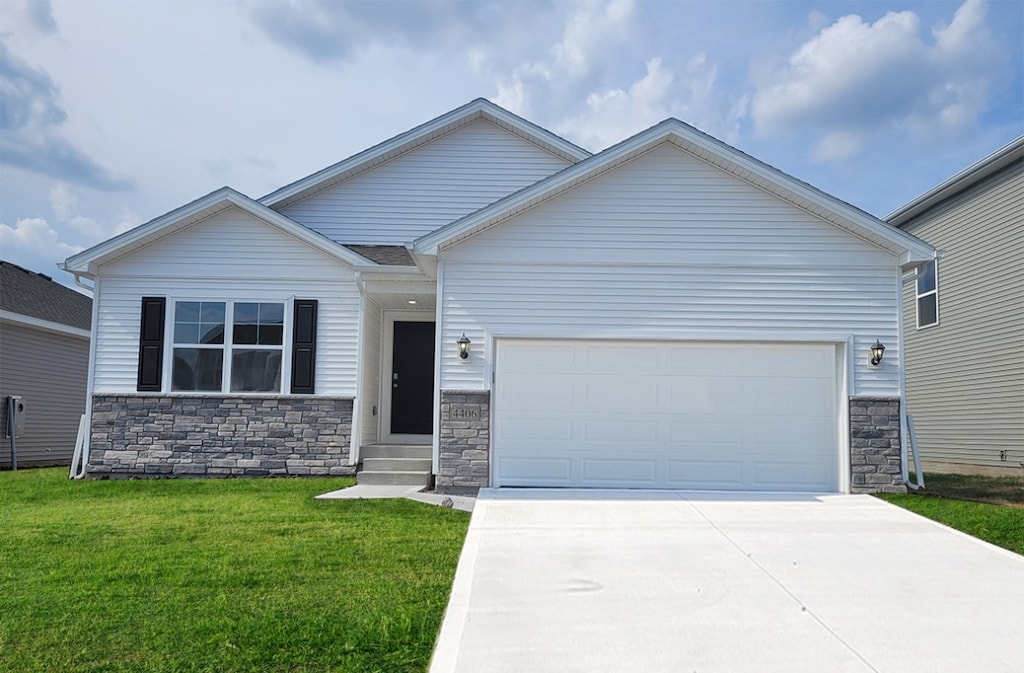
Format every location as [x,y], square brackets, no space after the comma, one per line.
[217,575]
[990,508]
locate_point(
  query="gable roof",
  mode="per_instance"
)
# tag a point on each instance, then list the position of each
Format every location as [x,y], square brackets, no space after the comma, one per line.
[1006,155]
[389,149]
[910,249]
[85,262]
[36,295]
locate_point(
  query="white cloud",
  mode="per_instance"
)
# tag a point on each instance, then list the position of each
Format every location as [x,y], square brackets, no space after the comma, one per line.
[855,79]
[616,114]
[65,204]
[34,234]
[593,28]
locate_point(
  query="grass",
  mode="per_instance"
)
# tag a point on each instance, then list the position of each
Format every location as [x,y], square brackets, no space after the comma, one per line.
[217,575]
[989,508]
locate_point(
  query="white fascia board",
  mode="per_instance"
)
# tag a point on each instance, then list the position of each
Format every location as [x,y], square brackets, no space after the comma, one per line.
[46,325]
[706,148]
[802,194]
[965,179]
[85,263]
[368,158]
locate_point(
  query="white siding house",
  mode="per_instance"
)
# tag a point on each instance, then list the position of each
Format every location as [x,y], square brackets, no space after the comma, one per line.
[483,298]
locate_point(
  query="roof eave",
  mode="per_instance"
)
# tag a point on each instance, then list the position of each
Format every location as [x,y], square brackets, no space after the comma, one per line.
[965,179]
[86,262]
[706,148]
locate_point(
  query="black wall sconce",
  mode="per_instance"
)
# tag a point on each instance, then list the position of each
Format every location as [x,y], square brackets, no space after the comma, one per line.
[464,346]
[877,351]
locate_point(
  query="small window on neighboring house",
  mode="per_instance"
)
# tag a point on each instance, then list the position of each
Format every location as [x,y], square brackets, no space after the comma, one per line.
[927,296]
[227,346]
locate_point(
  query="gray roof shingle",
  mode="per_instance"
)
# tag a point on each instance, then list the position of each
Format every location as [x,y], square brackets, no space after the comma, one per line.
[389,255]
[38,296]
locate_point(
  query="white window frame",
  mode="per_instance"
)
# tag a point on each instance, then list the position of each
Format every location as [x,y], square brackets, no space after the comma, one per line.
[228,346]
[918,295]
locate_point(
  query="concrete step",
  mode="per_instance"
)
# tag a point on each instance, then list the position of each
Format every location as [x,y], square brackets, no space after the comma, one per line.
[397,464]
[394,451]
[394,478]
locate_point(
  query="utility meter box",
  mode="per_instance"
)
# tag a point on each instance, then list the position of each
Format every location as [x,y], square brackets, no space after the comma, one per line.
[15,421]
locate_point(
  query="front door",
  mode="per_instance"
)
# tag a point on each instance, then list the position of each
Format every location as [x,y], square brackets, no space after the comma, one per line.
[412,378]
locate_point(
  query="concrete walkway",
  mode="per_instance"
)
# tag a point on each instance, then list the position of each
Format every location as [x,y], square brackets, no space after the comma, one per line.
[592,581]
[378,491]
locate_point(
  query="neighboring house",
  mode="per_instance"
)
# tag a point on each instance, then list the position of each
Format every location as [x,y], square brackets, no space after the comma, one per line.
[667,313]
[964,318]
[44,359]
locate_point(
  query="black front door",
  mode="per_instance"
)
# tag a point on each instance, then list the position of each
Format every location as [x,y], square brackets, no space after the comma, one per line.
[412,379]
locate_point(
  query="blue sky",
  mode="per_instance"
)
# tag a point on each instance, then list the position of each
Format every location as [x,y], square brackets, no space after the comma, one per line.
[112,113]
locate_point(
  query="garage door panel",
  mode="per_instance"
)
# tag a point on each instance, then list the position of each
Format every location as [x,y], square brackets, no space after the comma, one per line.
[604,392]
[686,430]
[621,358]
[667,414]
[534,357]
[601,430]
[549,391]
[540,470]
[797,475]
[705,474]
[636,472]
[533,428]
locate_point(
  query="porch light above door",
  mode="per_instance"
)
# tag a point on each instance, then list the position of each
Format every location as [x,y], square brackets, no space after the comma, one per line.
[464,346]
[877,351]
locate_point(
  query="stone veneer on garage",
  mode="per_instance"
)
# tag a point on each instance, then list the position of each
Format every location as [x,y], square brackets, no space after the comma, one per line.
[465,441]
[219,436]
[875,451]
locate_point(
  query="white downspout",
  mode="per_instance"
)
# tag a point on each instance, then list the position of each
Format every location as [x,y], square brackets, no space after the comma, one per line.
[94,330]
[906,438]
[357,431]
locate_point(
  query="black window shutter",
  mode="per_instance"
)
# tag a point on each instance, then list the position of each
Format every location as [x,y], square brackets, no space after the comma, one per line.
[304,346]
[151,344]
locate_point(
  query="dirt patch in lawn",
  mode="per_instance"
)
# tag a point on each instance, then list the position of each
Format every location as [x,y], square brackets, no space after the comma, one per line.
[976,488]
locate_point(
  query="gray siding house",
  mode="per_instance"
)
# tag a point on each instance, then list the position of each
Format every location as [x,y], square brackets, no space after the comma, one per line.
[964,318]
[44,359]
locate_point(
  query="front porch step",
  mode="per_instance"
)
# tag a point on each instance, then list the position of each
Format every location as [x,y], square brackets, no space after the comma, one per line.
[396,464]
[394,478]
[395,451]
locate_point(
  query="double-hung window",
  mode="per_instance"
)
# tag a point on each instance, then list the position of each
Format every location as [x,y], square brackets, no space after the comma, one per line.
[927,295]
[228,346]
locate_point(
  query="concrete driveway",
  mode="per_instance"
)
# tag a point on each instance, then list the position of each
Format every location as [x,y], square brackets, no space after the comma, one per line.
[590,581]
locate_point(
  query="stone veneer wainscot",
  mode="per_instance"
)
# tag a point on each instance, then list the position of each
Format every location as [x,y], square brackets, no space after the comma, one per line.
[219,436]
[465,441]
[875,451]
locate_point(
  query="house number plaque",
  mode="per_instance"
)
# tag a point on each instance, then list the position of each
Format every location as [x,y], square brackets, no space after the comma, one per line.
[464,412]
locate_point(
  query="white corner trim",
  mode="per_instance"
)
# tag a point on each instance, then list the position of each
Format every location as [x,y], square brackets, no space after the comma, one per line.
[47,325]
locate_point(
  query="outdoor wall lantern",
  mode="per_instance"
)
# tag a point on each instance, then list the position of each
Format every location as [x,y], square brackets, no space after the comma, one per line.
[464,346]
[877,351]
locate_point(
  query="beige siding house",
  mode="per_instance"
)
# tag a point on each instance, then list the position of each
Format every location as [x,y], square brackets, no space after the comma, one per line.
[964,318]
[44,358]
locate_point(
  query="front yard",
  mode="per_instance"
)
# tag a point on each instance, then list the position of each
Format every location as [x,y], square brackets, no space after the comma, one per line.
[990,508]
[217,575]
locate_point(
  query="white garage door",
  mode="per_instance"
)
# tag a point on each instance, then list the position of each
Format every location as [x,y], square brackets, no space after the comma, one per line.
[665,415]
